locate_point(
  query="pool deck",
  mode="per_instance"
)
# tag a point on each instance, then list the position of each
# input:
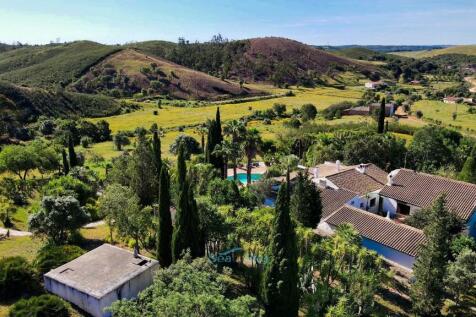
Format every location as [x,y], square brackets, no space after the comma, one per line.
[261,169]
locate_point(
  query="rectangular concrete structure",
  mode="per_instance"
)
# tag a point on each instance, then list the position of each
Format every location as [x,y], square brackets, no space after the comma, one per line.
[100,277]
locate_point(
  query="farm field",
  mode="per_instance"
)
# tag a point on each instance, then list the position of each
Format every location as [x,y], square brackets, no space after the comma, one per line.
[437,110]
[173,117]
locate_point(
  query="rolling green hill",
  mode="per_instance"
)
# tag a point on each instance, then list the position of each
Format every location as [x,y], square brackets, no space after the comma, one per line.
[27,104]
[50,66]
[460,49]
[129,71]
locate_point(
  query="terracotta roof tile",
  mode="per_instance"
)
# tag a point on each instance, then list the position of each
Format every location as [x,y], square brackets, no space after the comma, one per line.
[397,236]
[333,199]
[421,190]
[352,180]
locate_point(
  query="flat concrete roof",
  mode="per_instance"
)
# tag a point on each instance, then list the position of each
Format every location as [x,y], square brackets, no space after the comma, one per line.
[101,270]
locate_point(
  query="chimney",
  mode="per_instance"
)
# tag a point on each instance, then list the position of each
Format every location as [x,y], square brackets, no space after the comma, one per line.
[390,179]
[338,165]
[316,172]
[362,168]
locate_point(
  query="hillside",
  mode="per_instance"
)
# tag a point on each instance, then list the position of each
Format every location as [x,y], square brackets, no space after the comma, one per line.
[460,49]
[27,104]
[360,53]
[50,66]
[128,72]
[270,59]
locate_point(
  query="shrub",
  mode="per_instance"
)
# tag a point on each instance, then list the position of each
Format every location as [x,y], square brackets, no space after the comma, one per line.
[308,112]
[17,278]
[419,114]
[52,256]
[155,112]
[40,306]
[86,141]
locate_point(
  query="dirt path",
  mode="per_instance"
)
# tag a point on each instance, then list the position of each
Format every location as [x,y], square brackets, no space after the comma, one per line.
[15,233]
[472,81]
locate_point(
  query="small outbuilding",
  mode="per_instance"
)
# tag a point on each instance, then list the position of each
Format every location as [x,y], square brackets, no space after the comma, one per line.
[100,277]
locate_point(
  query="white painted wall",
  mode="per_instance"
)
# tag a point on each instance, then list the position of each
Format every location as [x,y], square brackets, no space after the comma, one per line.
[96,307]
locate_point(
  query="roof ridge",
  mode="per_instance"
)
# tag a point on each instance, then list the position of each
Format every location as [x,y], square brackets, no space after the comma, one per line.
[438,177]
[364,212]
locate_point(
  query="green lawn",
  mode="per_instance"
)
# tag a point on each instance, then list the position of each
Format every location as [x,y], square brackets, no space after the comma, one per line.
[20,246]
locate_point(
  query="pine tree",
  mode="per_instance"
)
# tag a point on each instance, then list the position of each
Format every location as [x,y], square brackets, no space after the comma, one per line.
[157,152]
[427,292]
[306,203]
[164,237]
[468,172]
[73,159]
[280,283]
[381,117]
[65,162]
[215,138]
[186,232]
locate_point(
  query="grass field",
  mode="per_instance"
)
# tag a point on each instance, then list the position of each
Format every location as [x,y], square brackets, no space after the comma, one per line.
[172,117]
[437,110]
[460,49]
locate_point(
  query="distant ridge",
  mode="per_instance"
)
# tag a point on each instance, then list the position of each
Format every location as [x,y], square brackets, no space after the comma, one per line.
[387,48]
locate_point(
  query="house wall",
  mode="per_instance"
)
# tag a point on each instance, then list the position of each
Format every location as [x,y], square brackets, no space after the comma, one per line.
[389,253]
[391,205]
[363,202]
[96,307]
[128,290]
[84,301]
[472,225]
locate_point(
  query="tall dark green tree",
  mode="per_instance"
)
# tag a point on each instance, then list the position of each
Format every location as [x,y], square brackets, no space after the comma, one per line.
[306,203]
[214,138]
[427,292]
[156,149]
[381,117]
[73,159]
[141,172]
[65,162]
[165,230]
[186,234]
[468,173]
[280,283]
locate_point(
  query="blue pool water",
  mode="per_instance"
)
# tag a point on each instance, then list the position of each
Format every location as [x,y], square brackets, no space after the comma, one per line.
[242,177]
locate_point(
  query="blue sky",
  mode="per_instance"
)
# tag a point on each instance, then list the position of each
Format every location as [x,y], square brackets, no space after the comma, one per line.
[321,22]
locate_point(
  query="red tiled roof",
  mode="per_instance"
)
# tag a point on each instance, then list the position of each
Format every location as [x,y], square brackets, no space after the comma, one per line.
[421,190]
[354,181]
[333,199]
[394,235]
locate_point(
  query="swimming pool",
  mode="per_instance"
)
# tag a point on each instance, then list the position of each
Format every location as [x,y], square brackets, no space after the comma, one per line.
[242,177]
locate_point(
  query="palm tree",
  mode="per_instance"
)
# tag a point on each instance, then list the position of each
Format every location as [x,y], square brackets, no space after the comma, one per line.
[251,144]
[202,130]
[236,130]
[227,150]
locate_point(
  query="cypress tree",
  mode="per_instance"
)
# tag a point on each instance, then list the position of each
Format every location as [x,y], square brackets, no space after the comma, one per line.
[427,292]
[164,237]
[181,166]
[186,232]
[381,117]
[157,152]
[306,203]
[280,283]
[468,172]
[141,172]
[73,159]
[65,162]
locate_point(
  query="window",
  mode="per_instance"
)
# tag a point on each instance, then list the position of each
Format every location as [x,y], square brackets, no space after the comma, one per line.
[372,202]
